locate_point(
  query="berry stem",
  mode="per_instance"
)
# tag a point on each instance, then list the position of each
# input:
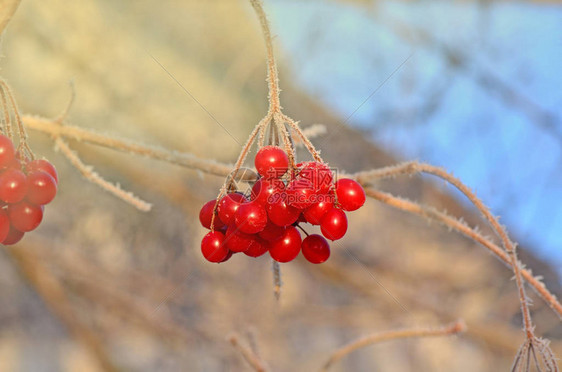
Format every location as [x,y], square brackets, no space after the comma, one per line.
[272,74]
[303,230]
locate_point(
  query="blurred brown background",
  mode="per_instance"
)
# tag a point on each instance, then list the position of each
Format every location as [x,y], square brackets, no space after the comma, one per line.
[102,285]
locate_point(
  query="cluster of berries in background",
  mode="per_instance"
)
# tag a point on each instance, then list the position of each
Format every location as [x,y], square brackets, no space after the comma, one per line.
[26,186]
[269,218]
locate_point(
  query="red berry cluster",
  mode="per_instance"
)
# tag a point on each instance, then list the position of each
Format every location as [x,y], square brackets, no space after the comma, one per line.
[25,187]
[267,220]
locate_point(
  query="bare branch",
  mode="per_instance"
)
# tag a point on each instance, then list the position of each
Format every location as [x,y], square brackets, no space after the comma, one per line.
[451,329]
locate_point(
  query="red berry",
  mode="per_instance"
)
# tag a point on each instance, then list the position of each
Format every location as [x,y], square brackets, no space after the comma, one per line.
[318,174]
[236,240]
[41,187]
[282,214]
[271,162]
[206,215]
[266,191]
[287,247]
[300,193]
[25,216]
[213,247]
[271,232]
[13,185]
[315,249]
[4,225]
[334,224]
[316,212]
[228,205]
[351,195]
[13,237]
[7,151]
[45,166]
[258,248]
[250,217]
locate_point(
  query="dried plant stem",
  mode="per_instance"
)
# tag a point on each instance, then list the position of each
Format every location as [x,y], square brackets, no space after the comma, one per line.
[52,292]
[7,10]
[415,167]
[277,282]
[23,147]
[309,146]
[92,176]
[451,329]
[272,74]
[54,129]
[461,227]
[249,355]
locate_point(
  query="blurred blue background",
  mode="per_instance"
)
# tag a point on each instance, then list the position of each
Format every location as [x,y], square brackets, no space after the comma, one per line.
[470,86]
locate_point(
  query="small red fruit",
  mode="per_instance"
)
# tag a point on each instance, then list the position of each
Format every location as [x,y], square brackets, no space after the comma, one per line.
[258,248]
[318,174]
[271,161]
[236,240]
[315,249]
[41,187]
[213,247]
[334,224]
[266,191]
[300,193]
[287,247]
[206,215]
[282,214]
[316,212]
[228,205]
[13,185]
[13,237]
[271,232]
[25,216]
[250,217]
[45,166]
[351,195]
[7,151]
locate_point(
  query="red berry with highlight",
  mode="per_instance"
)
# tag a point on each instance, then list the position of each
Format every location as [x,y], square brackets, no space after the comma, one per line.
[250,217]
[228,205]
[287,247]
[266,191]
[334,224]
[213,247]
[7,151]
[41,188]
[351,195]
[316,212]
[271,161]
[25,216]
[300,193]
[13,185]
[315,249]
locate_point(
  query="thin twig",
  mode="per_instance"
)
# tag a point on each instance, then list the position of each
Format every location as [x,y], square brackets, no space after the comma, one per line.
[253,360]
[92,176]
[461,227]
[451,329]
[415,167]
